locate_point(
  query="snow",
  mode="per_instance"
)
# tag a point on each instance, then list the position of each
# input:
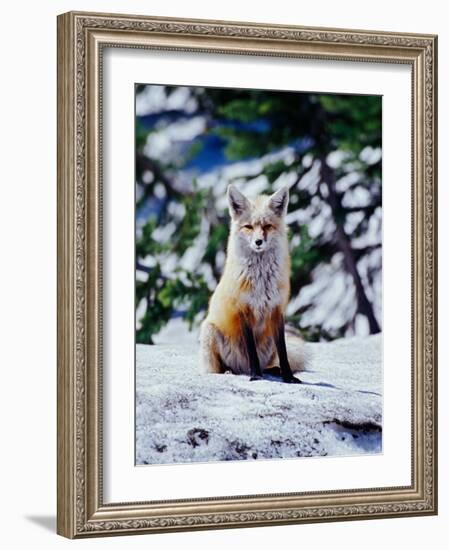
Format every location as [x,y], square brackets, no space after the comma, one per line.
[176,330]
[371,155]
[193,255]
[154,99]
[161,144]
[183,415]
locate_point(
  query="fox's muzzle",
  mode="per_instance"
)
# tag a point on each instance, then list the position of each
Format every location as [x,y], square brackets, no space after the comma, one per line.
[258,241]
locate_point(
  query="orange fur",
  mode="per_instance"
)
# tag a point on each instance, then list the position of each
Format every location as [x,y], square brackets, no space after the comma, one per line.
[252,292]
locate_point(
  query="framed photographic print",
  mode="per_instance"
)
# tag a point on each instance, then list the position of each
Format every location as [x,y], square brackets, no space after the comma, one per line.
[246,274]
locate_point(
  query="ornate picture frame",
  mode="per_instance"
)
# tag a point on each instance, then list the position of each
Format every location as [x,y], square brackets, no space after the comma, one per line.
[82,38]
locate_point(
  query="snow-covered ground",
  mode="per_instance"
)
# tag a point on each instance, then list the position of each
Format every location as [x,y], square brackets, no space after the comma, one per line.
[183,415]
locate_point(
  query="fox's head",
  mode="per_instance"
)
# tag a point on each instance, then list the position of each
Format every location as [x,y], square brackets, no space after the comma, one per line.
[258,224]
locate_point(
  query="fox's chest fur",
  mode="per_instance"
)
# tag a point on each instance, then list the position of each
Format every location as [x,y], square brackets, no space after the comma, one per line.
[263,284]
[254,290]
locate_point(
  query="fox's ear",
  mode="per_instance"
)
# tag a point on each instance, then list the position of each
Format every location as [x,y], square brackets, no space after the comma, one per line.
[238,203]
[279,201]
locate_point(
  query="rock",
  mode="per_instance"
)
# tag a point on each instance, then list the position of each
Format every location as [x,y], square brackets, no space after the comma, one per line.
[183,415]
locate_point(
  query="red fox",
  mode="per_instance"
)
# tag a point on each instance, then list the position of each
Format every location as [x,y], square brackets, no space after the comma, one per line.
[244,329]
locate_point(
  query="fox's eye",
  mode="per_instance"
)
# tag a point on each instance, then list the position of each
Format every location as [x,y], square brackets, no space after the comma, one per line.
[267,227]
[248,226]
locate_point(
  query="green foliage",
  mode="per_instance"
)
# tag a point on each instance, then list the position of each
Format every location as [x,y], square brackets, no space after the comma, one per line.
[242,144]
[275,170]
[157,314]
[217,237]
[305,254]
[354,121]
[146,245]
[186,292]
[189,226]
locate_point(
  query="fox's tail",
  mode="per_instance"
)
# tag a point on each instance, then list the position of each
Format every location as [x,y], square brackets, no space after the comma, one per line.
[298,355]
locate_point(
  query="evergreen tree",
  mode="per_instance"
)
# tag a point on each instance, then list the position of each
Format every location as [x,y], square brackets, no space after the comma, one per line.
[192,142]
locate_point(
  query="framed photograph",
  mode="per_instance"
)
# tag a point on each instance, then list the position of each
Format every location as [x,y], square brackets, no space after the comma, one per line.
[246,274]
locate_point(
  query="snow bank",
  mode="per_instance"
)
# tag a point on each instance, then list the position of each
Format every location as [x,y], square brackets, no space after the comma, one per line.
[183,415]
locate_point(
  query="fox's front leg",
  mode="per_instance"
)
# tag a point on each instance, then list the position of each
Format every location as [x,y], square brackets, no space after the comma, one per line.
[254,364]
[279,337]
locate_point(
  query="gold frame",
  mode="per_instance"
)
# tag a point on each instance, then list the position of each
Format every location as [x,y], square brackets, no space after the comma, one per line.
[81,37]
